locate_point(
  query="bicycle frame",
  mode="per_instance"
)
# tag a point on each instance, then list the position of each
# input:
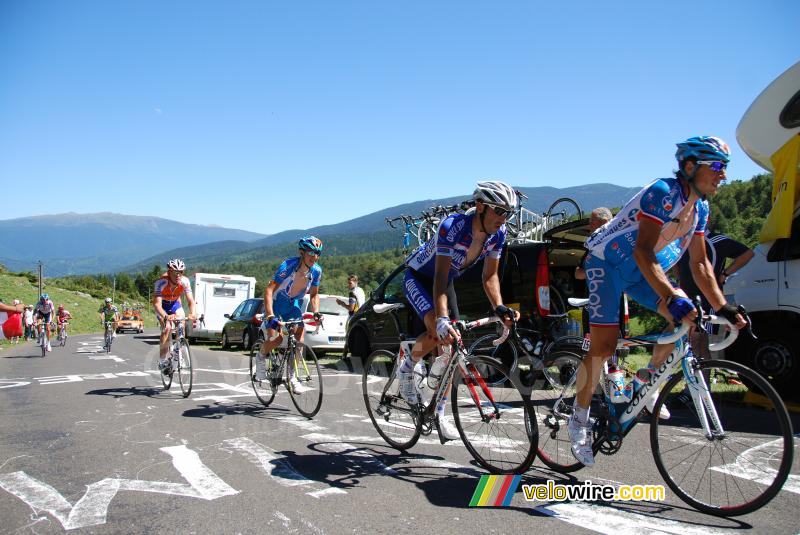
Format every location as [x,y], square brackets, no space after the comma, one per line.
[286,330]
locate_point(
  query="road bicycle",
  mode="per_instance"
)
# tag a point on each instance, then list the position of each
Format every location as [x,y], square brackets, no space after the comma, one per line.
[108,336]
[62,333]
[493,417]
[410,229]
[727,447]
[306,388]
[180,357]
[41,339]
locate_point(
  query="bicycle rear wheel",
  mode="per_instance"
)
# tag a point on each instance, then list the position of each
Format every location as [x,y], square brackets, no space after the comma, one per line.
[265,389]
[307,395]
[495,420]
[393,418]
[747,458]
[185,370]
[553,395]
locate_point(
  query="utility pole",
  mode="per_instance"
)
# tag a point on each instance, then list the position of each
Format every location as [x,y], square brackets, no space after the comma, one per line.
[114,290]
[40,278]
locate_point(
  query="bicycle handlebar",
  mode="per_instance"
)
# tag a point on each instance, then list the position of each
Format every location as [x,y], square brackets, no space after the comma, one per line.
[732,333]
[464,326]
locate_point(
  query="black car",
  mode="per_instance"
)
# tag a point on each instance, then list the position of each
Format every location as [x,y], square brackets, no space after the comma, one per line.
[536,278]
[242,326]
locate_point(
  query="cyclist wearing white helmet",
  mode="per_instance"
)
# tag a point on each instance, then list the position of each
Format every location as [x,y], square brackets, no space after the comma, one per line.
[109,312]
[167,305]
[460,241]
[632,253]
[43,312]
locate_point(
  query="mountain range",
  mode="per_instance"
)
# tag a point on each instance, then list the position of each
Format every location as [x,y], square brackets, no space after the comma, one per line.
[106,242]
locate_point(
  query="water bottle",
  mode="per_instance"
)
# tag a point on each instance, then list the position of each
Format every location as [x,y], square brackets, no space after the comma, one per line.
[437,368]
[616,384]
[527,345]
[538,349]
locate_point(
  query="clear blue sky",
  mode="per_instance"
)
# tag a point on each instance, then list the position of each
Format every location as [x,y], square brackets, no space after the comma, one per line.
[271,115]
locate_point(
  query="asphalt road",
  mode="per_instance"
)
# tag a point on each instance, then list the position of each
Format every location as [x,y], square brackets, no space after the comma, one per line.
[92,443]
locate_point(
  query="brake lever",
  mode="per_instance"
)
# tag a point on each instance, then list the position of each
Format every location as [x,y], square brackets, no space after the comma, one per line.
[749,329]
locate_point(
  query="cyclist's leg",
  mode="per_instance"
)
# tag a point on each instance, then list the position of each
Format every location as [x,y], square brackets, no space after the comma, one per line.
[418,294]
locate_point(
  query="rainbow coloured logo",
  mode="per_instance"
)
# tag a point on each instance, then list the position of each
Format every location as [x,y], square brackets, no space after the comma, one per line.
[494,491]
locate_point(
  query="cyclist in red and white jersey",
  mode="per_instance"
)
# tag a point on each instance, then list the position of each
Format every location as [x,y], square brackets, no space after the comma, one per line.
[167,305]
[63,317]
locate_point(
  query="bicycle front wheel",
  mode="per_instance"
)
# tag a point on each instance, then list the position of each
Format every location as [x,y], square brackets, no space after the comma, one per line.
[495,420]
[553,395]
[185,371]
[304,380]
[742,461]
[392,416]
[264,388]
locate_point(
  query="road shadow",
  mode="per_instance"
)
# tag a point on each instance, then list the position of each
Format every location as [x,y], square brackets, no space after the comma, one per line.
[123,392]
[215,411]
[36,356]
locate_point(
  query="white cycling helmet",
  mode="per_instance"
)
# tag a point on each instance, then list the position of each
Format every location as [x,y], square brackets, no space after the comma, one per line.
[497,193]
[176,264]
[108,299]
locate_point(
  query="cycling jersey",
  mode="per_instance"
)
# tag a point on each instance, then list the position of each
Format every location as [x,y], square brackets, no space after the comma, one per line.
[662,202]
[62,317]
[44,309]
[453,238]
[171,294]
[108,312]
[285,274]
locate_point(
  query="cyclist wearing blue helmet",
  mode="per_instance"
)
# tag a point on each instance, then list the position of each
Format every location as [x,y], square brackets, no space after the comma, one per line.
[43,312]
[294,278]
[632,253]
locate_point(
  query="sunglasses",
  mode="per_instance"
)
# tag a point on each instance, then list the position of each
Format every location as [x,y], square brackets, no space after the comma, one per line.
[312,253]
[499,210]
[715,166]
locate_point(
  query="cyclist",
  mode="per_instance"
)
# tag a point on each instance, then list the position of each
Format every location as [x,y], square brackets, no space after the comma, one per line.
[460,241]
[167,305]
[62,317]
[108,312]
[294,278]
[632,252]
[42,313]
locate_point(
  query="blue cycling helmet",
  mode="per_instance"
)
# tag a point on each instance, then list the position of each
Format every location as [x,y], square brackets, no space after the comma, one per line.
[310,243]
[45,297]
[703,148]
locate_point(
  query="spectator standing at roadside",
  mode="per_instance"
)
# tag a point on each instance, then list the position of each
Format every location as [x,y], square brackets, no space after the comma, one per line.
[28,321]
[599,217]
[719,249]
[355,297]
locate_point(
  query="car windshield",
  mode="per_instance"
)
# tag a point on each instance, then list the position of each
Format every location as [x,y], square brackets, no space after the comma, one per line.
[328,305]
[129,318]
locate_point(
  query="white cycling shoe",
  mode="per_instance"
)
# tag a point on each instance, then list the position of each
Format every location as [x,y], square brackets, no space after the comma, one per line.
[581,437]
[663,413]
[447,430]
[261,367]
[297,386]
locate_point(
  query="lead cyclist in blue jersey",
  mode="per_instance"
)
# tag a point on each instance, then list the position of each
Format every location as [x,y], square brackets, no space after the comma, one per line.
[632,252]
[294,278]
[460,241]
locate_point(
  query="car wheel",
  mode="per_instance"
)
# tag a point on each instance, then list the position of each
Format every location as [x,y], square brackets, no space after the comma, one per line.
[359,344]
[226,343]
[246,342]
[775,356]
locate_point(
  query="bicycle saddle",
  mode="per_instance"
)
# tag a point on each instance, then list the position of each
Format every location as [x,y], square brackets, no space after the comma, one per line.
[386,307]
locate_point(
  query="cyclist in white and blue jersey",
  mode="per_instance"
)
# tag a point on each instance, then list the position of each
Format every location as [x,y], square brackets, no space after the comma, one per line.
[632,253]
[294,278]
[461,240]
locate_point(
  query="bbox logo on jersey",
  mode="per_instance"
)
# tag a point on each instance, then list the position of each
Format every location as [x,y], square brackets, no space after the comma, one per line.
[595,276]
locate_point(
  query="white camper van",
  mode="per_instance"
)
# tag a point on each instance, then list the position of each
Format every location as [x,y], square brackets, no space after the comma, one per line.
[216,295]
[769,285]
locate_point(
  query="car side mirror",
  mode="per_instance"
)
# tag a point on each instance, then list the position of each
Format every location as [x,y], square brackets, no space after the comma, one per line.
[227,316]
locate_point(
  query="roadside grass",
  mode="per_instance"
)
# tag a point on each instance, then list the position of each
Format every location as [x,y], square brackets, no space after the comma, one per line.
[82,306]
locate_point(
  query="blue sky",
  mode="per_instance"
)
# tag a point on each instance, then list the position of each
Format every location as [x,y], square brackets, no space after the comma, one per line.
[273,115]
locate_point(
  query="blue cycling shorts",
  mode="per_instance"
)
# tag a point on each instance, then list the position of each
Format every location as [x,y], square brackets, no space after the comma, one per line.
[287,309]
[418,289]
[171,307]
[607,283]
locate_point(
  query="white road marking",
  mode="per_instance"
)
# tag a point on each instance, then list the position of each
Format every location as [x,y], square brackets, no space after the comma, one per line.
[754,464]
[612,521]
[92,508]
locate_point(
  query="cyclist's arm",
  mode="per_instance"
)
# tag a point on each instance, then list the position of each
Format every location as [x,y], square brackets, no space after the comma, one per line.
[190,302]
[440,281]
[269,291]
[157,306]
[313,302]
[703,273]
[739,262]
[644,253]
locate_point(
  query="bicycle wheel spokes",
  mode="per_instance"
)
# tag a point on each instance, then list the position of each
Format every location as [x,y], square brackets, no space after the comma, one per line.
[553,396]
[392,416]
[743,462]
[166,380]
[305,380]
[185,371]
[494,418]
[264,388]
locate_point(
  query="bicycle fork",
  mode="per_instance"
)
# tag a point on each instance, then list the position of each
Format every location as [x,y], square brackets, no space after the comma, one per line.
[471,376]
[701,397]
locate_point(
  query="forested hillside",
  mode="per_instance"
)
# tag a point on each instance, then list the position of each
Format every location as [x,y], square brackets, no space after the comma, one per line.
[740,208]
